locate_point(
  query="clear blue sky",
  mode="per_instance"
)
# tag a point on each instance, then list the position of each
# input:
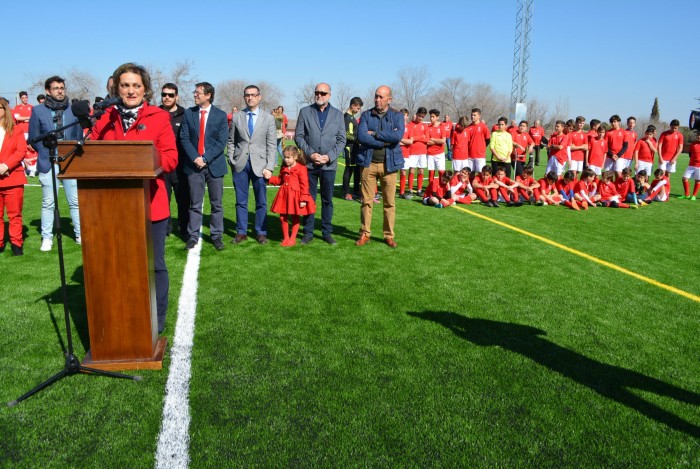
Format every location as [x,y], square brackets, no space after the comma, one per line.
[604,57]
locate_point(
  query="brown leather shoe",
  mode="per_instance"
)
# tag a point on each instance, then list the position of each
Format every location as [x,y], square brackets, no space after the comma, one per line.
[239,239]
[364,239]
[261,239]
[390,242]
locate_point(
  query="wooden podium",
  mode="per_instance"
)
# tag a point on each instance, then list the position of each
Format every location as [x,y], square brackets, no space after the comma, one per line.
[114,194]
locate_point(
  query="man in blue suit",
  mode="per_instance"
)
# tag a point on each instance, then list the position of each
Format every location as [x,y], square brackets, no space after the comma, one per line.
[320,134]
[205,163]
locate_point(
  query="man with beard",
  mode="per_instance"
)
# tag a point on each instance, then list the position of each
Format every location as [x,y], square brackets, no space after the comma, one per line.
[176,181]
[55,112]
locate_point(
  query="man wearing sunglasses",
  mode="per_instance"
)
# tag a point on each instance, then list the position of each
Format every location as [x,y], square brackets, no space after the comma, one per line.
[176,181]
[320,134]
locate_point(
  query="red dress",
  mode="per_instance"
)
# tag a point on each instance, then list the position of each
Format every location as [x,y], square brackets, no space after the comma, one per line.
[294,189]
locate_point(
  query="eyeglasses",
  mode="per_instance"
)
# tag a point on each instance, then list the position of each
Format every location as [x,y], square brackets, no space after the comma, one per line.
[169,95]
[321,93]
[199,93]
[54,88]
[251,95]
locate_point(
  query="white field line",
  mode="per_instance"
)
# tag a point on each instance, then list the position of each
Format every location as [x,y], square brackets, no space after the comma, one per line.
[174,438]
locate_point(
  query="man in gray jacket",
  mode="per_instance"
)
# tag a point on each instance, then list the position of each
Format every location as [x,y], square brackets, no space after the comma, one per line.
[320,134]
[252,152]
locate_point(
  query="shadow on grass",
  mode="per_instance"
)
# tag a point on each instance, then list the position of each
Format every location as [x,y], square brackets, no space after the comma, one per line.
[609,381]
[75,291]
[66,227]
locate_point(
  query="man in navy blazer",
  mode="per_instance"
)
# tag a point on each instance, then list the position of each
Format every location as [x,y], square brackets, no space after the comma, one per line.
[205,162]
[320,134]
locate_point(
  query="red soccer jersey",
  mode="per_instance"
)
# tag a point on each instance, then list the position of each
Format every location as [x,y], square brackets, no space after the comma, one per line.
[419,134]
[624,186]
[479,179]
[446,129]
[597,149]
[545,186]
[694,155]
[645,153]
[436,131]
[525,181]
[562,185]
[615,138]
[577,139]
[559,139]
[464,187]
[670,142]
[631,139]
[512,130]
[436,189]
[22,110]
[404,148]
[537,133]
[478,133]
[607,190]
[460,142]
[581,187]
[523,139]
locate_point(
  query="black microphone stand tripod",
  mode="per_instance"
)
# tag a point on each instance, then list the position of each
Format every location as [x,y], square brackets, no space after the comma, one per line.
[72,364]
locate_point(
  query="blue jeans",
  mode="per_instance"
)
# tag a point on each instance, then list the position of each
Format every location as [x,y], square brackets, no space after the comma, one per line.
[197,181]
[70,187]
[241,181]
[327,182]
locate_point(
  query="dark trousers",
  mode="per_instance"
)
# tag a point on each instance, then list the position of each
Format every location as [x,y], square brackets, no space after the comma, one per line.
[241,181]
[352,170]
[327,179]
[177,182]
[537,155]
[197,181]
[158,233]
[496,165]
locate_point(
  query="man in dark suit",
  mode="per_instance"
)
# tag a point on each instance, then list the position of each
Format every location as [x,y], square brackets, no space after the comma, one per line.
[320,134]
[252,152]
[205,163]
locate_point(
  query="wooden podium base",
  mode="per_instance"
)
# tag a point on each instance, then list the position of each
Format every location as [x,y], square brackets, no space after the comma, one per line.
[153,363]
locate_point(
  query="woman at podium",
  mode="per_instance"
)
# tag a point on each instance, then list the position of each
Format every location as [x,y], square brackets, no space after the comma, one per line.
[133,118]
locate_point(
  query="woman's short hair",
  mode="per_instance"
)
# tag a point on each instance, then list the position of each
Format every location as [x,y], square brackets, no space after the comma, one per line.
[138,70]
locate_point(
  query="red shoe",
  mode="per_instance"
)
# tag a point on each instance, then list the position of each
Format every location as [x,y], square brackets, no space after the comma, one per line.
[364,239]
[390,242]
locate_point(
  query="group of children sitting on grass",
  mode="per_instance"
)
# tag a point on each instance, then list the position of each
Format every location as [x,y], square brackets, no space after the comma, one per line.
[589,191]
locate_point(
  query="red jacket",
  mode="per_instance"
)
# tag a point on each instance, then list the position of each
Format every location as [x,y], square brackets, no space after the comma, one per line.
[152,124]
[14,146]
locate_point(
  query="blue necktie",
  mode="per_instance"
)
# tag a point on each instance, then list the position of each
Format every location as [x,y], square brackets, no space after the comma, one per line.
[250,124]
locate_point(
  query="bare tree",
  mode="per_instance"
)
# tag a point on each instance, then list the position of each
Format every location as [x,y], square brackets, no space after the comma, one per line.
[453,97]
[181,75]
[230,93]
[342,93]
[305,94]
[537,110]
[412,86]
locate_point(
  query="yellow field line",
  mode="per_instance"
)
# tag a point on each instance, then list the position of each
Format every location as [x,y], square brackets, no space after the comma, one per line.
[651,281]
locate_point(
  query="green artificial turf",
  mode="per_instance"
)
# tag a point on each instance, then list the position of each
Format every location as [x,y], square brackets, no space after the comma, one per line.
[468,345]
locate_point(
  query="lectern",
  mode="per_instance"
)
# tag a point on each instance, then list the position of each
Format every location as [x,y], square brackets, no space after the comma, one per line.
[114,194]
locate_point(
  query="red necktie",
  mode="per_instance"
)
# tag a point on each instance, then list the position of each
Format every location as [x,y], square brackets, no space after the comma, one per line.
[202,121]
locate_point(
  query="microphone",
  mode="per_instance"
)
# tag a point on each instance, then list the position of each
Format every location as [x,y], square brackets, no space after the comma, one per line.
[81,111]
[105,103]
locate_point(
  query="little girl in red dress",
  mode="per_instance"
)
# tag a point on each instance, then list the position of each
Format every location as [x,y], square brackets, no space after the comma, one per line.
[293,198]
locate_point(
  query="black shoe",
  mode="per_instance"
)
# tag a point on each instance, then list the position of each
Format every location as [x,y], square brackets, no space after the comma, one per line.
[517,204]
[489,203]
[532,201]
[218,244]
[307,239]
[495,204]
[16,250]
[2,249]
[509,204]
[329,239]
[190,244]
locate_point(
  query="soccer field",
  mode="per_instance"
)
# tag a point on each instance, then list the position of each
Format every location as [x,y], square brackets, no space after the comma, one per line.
[526,337]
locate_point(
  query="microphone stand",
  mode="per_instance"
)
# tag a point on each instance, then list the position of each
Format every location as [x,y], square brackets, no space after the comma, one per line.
[72,365]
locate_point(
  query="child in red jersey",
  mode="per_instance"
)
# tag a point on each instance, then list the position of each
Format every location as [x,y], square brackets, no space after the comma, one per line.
[527,185]
[565,187]
[558,149]
[660,187]
[608,194]
[546,193]
[436,146]
[405,143]
[582,190]
[625,161]
[645,150]
[485,188]
[578,144]
[693,170]
[418,151]
[293,199]
[478,136]
[624,185]
[460,145]
[461,187]
[670,147]
[522,147]
[438,192]
[507,189]
[597,151]
[616,143]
